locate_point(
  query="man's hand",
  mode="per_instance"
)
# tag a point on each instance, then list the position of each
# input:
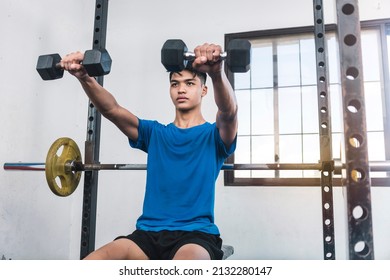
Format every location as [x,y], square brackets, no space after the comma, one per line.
[73,64]
[208,59]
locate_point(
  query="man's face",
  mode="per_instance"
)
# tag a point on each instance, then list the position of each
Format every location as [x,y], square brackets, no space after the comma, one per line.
[186,90]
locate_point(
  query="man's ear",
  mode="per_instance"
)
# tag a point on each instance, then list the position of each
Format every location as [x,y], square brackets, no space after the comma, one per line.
[204,90]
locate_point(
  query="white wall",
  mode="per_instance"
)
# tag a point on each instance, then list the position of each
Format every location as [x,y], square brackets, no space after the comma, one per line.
[261,222]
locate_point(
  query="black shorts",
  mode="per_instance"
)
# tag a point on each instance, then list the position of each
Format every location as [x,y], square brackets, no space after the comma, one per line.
[163,245]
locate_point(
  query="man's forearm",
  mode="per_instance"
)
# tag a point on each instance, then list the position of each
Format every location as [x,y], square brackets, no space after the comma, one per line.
[99,96]
[225,98]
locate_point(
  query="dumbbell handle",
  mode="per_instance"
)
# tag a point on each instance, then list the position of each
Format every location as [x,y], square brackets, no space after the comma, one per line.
[190,56]
[58,65]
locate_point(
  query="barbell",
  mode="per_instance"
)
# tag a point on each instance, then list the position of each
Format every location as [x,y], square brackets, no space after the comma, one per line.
[64,165]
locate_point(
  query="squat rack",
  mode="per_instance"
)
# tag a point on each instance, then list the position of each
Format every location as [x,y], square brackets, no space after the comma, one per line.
[92,143]
[358,190]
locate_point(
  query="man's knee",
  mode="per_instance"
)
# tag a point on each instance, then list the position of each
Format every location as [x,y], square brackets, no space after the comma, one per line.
[192,252]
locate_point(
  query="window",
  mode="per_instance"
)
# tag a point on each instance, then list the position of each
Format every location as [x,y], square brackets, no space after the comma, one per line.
[278,106]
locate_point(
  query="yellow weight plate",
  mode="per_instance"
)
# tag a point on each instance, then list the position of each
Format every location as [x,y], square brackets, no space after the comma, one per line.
[56,169]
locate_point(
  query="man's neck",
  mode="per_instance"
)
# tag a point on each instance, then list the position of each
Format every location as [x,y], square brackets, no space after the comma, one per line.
[187,120]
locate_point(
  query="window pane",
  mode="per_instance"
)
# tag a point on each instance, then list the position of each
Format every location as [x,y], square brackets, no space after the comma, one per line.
[263,152]
[262,65]
[263,149]
[242,80]
[311,153]
[388,42]
[288,63]
[373,101]
[244,109]
[290,147]
[311,148]
[290,152]
[262,112]
[337,145]
[333,59]
[308,62]
[310,109]
[242,155]
[376,146]
[289,110]
[370,55]
[336,108]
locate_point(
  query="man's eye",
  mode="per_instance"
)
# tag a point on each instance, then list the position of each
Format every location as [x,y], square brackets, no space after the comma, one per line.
[174,85]
[190,83]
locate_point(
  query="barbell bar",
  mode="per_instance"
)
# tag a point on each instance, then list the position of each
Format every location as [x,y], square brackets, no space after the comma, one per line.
[67,166]
[79,166]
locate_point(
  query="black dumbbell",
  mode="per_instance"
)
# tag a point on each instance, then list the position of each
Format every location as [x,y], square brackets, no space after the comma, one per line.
[175,55]
[96,63]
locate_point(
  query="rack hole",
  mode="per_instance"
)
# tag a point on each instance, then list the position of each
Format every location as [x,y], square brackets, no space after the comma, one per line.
[319,21]
[323,110]
[329,255]
[322,94]
[352,73]
[348,9]
[354,106]
[321,64]
[326,206]
[320,50]
[326,189]
[356,140]
[358,175]
[350,40]
[359,213]
[361,248]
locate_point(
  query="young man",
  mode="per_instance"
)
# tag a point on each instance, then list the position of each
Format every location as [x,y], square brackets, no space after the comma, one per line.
[184,160]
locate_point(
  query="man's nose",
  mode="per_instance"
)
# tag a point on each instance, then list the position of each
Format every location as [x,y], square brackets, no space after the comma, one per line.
[182,88]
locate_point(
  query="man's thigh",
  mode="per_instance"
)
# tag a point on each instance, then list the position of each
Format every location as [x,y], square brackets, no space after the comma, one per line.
[120,249]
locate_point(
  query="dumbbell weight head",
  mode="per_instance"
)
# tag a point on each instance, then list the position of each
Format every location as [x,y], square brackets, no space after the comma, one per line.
[47,68]
[238,57]
[172,55]
[97,62]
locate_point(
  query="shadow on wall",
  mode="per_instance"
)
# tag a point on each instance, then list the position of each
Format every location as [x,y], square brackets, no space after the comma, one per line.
[3,258]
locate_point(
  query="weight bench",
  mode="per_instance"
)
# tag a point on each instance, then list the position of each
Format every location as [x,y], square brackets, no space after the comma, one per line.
[227,251]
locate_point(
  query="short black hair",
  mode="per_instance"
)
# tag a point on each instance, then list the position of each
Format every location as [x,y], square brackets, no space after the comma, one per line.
[201,75]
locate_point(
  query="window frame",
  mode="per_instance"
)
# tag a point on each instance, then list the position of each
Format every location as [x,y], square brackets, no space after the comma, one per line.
[383,26]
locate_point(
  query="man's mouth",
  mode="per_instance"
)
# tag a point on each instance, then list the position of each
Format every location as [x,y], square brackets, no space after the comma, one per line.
[182,99]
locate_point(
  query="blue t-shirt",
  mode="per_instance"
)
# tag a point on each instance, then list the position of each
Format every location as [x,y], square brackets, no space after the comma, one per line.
[182,167]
